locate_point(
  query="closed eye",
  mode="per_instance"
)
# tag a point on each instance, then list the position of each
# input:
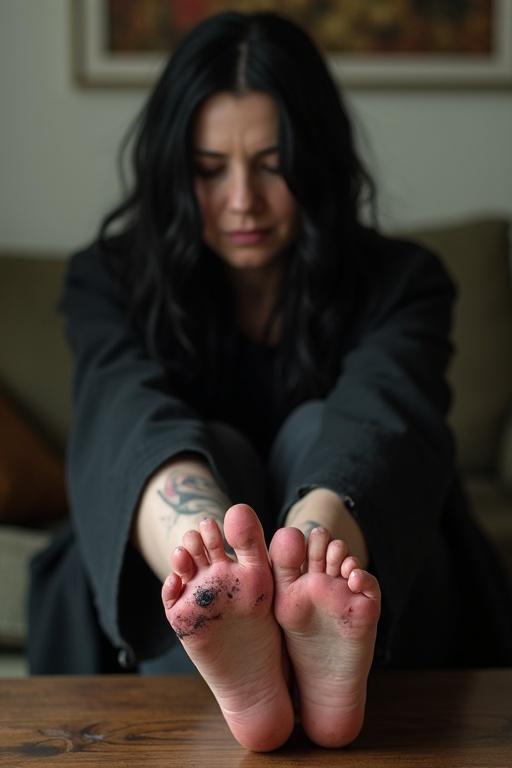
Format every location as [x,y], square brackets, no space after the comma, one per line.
[207,173]
[276,169]
[211,173]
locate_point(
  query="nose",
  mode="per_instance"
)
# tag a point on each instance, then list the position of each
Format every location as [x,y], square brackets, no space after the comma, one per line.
[242,192]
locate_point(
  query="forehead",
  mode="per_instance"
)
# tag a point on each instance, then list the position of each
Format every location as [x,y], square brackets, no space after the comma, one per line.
[226,120]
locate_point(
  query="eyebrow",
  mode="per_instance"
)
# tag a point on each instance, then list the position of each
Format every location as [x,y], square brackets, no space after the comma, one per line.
[221,155]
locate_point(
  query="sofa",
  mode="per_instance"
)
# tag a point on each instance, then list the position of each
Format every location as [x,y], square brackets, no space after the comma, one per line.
[35,408]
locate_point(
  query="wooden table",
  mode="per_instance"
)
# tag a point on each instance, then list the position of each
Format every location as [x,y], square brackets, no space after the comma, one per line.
[430,719]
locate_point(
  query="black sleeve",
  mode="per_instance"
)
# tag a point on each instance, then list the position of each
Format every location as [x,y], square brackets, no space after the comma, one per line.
[126,424]
[383,443]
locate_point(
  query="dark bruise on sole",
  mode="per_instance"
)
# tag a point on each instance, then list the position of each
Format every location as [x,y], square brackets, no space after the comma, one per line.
[193,625]
[206,593]
[204,597]
[233,589]
[190,621]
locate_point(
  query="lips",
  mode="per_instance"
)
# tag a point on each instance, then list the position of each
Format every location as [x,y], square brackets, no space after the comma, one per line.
[247,236]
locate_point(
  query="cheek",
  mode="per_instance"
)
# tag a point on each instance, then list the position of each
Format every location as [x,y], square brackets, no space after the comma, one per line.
[282,201]
[209,204]
[288,210]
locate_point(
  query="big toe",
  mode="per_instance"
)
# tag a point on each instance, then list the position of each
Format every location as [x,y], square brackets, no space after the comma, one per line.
[287,553]
[243,531]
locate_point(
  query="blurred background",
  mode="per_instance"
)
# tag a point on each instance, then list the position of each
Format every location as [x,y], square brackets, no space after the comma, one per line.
[436,154]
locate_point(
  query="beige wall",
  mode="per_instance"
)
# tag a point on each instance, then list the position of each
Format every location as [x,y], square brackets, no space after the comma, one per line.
[435,155]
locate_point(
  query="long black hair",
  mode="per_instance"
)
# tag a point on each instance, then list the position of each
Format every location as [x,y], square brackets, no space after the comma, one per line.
[177,292]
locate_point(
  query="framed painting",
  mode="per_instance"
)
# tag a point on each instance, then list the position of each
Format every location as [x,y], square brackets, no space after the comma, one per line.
[387,44]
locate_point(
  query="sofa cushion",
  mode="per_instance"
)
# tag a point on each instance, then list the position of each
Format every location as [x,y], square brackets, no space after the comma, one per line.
[17,545]
[477,256]
[34,359]
[505,455]
[492,507]
[32,484]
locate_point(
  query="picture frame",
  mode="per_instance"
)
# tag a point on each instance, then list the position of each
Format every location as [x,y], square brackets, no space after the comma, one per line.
[97,66]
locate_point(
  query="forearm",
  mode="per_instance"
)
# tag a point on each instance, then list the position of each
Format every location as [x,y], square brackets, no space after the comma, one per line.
[175,500]
[322,507]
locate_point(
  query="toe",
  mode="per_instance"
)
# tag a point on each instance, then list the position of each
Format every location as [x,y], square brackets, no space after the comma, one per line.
[194,544]
[171,590]
[244,533]
[317,548]
[348,566]
[183,564]
[287,553]
[337,551]
[212,538]
[364,582]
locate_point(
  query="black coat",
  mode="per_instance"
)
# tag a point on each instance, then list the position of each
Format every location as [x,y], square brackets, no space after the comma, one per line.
[383,441]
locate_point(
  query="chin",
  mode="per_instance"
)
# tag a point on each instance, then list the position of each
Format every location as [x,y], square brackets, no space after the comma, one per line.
[251,258]
[251,262]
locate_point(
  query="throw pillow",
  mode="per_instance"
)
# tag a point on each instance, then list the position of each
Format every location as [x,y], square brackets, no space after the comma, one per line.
[32,484]
[476,254]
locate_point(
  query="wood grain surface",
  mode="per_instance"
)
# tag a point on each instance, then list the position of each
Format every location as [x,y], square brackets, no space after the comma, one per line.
[432,719]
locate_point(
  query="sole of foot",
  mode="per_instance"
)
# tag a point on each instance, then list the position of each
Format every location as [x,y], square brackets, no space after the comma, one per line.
[328,608]
[220,607]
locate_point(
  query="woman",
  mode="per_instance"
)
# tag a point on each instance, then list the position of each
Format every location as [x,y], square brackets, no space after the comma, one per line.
[242,337]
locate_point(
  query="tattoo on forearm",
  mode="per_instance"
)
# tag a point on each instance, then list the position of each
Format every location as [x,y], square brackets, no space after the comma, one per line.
[191,495]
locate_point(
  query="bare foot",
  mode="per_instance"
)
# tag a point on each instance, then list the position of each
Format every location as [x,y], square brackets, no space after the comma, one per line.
[221,609]
[328,608]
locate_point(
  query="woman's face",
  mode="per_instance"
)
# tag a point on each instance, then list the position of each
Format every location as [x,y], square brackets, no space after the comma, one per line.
[248,212]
